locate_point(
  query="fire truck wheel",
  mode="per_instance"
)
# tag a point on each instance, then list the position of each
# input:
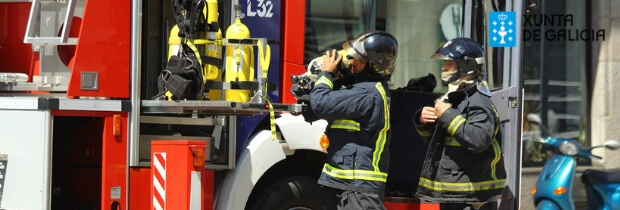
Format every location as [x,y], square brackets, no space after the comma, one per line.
[294,192]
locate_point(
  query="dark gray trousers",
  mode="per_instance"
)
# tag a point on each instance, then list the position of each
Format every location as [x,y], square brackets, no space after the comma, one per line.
[352,200]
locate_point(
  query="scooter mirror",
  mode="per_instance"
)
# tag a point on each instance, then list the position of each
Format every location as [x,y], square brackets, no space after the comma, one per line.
[534,118]
[612,144]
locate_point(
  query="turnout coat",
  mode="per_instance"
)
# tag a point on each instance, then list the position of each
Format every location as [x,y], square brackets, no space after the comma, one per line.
[464,161]
[358,129]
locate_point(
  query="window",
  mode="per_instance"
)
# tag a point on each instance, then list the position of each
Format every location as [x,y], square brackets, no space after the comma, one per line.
[330,23]
[554,76]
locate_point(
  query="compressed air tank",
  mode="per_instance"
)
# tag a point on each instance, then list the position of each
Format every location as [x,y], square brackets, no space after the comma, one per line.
[239,61]
[213,72]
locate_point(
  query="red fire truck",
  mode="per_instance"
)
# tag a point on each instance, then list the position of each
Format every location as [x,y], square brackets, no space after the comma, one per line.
[81,126]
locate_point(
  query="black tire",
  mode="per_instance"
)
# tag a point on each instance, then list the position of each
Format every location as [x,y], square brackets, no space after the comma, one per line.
[294,192]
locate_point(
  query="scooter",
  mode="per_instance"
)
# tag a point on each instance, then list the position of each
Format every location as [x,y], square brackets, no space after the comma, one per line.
[555,184]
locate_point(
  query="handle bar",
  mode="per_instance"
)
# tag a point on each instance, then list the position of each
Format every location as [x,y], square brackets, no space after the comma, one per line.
[537,139]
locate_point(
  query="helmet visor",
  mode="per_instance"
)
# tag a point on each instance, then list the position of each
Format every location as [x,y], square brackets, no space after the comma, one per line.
[354,49]
[441,57]
[443,54]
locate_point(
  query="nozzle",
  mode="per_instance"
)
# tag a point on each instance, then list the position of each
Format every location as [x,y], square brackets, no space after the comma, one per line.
[238,12]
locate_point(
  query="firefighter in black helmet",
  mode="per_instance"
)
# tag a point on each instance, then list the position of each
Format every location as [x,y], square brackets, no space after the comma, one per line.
[468,57]
[378,48]
[358,117]
[463,167]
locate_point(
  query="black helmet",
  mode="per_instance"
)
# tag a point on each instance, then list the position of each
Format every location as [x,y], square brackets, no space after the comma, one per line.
[379,48]
[466,53]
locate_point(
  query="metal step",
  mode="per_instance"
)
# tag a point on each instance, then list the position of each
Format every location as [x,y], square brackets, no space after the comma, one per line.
[215,107]
[46,11]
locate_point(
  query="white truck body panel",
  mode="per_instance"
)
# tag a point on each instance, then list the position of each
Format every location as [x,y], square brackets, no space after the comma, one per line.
[262,153]
[300,134]
[254,161]
[26,139]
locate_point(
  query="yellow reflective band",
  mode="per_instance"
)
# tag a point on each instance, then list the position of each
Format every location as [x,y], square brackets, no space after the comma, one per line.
[451,141]
[324,80]
[424,133]
[346,124]
[497,116]
[272,120]
[496,148]
[354,174]
[455,124]
[498,153]
[272,117]
[264,57]
[462,187]
[382,139]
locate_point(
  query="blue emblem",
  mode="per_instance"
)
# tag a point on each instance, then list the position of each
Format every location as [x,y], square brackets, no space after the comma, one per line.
[503,29]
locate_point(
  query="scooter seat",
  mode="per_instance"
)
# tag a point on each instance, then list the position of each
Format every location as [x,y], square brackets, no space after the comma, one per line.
[591,176]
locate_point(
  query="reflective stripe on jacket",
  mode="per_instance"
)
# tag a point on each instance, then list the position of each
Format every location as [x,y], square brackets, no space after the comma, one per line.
[359,132]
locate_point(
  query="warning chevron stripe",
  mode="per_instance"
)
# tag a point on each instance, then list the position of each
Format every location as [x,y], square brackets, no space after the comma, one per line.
[159,180]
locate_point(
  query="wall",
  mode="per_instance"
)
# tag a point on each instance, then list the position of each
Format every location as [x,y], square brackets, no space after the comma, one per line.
[606,67]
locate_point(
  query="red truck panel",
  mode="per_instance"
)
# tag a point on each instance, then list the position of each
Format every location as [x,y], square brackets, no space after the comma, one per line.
[114,164]
[294,22]
[104,47]
[15,56]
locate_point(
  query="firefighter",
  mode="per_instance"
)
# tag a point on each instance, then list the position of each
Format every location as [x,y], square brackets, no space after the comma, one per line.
[463,168]
[358,117]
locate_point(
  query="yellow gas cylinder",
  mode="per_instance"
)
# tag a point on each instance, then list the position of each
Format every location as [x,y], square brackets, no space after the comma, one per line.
[174,46]
[239,61]
[213,72]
